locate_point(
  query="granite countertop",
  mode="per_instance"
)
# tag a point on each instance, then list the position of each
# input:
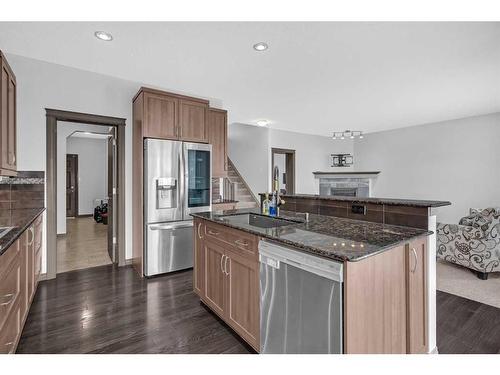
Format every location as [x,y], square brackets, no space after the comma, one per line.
[330,237]
[20,220]
[387,201]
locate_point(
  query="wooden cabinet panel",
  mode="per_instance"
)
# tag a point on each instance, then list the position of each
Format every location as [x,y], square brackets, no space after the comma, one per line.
[160,116]
[199,258]
[375,304]
[416,296]
[242,296]
[215,279]
[4,116]
[11,154]
[31,263]
[192,118]
[8,154]
[217,137]
[10,284]
[11,331]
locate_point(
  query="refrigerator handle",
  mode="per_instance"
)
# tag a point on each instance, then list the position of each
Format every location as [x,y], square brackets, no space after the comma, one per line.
[182,182]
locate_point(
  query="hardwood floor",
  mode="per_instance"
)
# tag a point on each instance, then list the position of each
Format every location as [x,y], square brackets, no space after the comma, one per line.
[85,245]
[466,327]
[111,310]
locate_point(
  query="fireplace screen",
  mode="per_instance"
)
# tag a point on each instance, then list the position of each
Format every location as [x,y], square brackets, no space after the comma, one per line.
[344,192]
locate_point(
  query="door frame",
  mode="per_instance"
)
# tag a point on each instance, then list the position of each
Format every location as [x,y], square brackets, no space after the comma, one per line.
[290,165]
[75,156]
[52,118]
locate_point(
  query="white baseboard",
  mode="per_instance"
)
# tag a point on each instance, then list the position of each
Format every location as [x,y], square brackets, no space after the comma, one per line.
[434,351]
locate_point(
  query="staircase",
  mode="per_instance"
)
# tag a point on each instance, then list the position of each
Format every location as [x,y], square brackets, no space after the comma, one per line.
[242,192]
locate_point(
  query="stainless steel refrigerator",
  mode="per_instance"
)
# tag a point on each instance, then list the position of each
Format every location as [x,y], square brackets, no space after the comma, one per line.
[177,182]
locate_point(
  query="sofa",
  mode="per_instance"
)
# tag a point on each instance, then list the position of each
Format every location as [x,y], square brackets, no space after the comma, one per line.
[473,243]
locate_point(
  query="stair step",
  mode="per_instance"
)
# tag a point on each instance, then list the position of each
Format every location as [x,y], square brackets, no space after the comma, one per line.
[246,205]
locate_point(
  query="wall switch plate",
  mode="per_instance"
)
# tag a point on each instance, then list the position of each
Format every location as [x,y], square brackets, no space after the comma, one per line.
[358,209]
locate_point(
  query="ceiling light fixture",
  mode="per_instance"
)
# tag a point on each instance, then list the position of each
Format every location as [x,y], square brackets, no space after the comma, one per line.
[102,35]
[262,122]
[261,46]
[348,134]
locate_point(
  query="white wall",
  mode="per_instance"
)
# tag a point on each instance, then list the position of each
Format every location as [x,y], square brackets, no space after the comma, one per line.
[43,85]
[92,170]
[250,150]
[312,153]
[65,129]
[455,160]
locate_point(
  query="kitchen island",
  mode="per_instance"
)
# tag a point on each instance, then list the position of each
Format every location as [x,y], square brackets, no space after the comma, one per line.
[384,296]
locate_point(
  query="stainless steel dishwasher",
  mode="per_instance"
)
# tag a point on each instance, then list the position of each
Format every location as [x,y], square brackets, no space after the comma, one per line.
[301,301]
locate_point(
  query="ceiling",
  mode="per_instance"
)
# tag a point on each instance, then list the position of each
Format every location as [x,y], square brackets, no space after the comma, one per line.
[315,78]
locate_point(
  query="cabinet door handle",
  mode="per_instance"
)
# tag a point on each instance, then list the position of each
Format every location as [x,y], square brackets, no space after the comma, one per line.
[416,260]
[10,297]
[199,231]
[221,259]
[241,243]
[225,266]
[31,230]
[213,233]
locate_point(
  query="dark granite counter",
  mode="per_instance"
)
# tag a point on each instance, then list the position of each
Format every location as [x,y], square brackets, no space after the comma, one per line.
[385,201]
[20,220]
[331,237]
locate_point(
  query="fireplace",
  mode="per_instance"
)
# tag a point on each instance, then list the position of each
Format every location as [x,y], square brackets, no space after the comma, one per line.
[346,184]
[344,192]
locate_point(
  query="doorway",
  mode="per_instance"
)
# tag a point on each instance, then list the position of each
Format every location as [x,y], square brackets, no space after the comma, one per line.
[71,185]
[98,216]
[284,159]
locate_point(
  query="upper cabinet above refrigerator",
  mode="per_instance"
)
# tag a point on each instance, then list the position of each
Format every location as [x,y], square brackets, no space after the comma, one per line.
[172,116]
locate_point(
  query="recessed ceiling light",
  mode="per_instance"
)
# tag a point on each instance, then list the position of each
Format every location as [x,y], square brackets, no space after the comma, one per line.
[262,122]
[261,46]
[107,37]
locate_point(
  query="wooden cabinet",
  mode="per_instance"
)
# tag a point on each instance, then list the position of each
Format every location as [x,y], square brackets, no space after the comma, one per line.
[226,277]
[385,302]
[20,268]
[170,116]
[217,137]
[243,296]
[8,154]
[215,277]
[416,281]
[192,119]
[160,116]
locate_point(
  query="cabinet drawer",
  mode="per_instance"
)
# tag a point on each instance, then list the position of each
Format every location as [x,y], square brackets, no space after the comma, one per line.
[10,289]
[8,257]
[244,244]
[216,232]
[10,332]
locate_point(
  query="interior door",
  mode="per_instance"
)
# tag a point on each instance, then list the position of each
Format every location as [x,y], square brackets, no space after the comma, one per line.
[111,194]
[71,185]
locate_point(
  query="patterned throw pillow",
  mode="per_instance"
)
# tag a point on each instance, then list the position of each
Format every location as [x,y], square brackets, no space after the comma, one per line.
[476,221]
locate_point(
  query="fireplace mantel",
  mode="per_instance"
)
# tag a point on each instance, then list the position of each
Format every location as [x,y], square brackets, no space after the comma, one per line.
[346,174]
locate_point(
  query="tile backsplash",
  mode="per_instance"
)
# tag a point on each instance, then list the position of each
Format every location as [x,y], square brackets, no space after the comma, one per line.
[27,190]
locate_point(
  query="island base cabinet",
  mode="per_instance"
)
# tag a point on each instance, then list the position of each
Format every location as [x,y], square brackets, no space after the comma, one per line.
[215,278]
[385,302]
[416,284]
[243,296]
[226,277]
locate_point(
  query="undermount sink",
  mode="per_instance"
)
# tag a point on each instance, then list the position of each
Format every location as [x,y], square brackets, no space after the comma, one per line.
[255,220]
